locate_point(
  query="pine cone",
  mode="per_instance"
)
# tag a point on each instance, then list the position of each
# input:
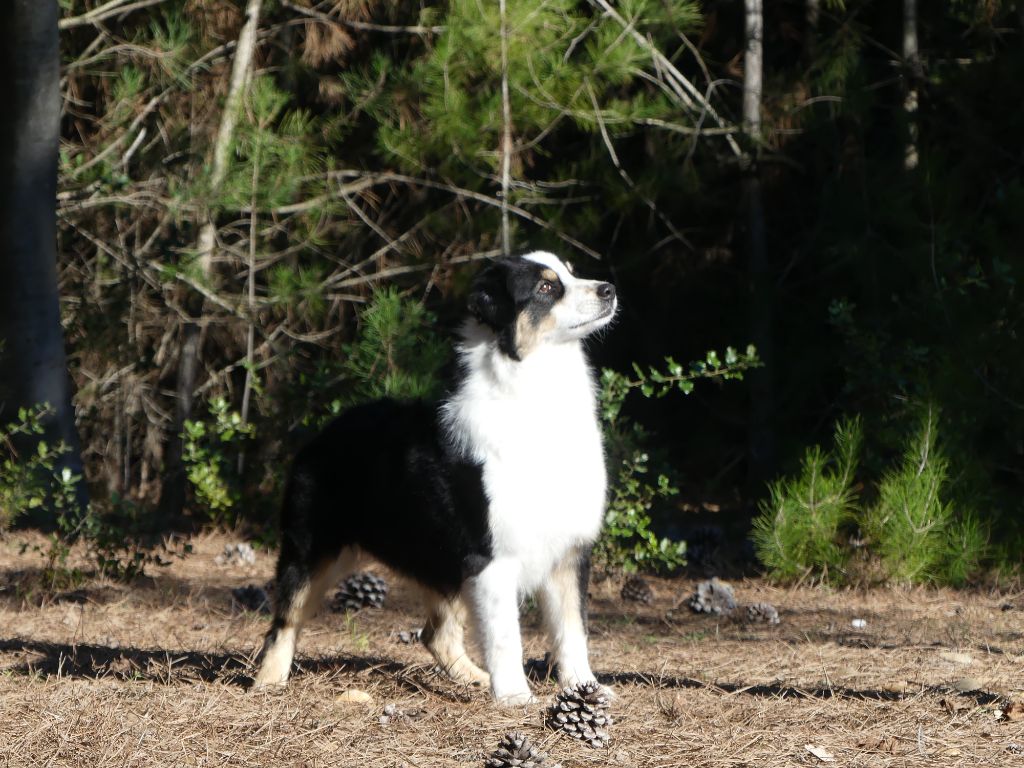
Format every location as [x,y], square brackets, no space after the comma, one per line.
[359,590]
[236,554]
[713,597]
[582,713]
[407,637]
[762,612]
[637,590]
[541,670]
[515,751]
[252,597]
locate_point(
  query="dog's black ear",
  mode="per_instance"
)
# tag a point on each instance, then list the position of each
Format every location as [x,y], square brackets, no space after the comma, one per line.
[490,301]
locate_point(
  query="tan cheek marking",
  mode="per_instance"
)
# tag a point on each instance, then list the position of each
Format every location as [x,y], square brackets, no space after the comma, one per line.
[529,335]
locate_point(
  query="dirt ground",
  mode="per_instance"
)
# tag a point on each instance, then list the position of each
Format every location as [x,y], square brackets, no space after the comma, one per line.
[157,673]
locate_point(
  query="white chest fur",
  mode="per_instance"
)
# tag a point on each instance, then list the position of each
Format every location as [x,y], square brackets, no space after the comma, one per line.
[532,424]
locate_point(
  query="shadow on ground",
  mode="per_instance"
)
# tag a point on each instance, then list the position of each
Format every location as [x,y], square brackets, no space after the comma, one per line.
[167,667]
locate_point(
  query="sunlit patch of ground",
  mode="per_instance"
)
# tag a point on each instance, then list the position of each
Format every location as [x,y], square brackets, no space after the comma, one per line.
[156,674]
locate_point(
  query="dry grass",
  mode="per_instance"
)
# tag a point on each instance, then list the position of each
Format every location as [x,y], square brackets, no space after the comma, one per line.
[156,674]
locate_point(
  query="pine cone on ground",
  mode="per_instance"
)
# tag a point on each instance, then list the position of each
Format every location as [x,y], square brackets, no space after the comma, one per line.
[515,751]
[713,597]
[582,713]
[360,590]
[637,590]
[541,670]
[236,554]
[762,612]
[252,597]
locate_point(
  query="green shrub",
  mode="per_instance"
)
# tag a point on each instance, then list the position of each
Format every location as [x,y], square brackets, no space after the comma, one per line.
[28,481]
[211,450]
[32,480]
[967,547]
[396,353]
[798,530]
[913,528]
[627,543]
[114,534]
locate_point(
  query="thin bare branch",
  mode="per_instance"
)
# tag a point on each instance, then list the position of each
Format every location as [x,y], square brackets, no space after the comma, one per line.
[363,26]
[689,96]
[106,11]
[506,133]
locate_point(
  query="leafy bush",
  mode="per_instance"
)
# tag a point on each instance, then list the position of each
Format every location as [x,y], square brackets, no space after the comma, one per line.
[28,481]
[32,480]
[627,542]
[114,535]
[798,530]
[209,450]
[913,528]
[397,353]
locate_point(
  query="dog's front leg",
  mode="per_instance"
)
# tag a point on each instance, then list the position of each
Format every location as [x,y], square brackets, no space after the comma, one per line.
[494,601]
[563,597]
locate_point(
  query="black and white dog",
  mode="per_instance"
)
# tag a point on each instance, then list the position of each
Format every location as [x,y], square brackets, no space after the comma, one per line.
[495,493]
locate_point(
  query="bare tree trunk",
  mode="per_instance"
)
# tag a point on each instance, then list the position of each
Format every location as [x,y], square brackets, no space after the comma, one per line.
[912,69]
[753,63]
[172,496]
[33,365]
[506,134]
[761,440]
[812,15]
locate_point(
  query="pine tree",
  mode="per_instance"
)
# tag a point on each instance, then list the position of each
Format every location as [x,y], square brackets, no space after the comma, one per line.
[798,530]
[914,527]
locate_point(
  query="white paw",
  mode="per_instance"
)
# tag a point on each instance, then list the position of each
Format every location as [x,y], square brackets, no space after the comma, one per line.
[273,674]
[609,693]
[516,699]
[267,685]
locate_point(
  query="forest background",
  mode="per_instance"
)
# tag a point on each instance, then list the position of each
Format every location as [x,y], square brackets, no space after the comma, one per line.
[269,210]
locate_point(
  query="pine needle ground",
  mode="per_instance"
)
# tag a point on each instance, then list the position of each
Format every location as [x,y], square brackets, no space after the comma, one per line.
[153,675]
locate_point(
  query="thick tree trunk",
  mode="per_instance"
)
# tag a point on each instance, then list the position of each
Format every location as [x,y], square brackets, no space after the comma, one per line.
[761,445]
[33,366]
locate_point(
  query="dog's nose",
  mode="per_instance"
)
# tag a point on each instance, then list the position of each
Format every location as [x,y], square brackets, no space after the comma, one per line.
[606,291]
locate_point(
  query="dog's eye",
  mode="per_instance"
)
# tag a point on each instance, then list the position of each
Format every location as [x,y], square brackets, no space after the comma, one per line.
[545,286]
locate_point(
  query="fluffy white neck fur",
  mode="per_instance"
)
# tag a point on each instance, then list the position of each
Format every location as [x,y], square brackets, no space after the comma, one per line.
[499,399]
[532,425]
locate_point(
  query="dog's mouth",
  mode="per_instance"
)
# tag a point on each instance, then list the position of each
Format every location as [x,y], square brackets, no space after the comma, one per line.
[605,315]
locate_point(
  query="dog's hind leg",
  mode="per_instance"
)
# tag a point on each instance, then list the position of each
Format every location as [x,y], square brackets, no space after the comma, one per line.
[443,635]
[300,590]
[563,604]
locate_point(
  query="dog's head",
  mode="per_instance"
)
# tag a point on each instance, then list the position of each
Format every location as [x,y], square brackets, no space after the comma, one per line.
[535,299]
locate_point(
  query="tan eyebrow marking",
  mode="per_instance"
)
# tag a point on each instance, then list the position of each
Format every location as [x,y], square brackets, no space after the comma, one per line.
[550,274]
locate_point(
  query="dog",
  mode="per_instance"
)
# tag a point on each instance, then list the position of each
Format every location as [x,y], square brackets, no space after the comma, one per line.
[494,493]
